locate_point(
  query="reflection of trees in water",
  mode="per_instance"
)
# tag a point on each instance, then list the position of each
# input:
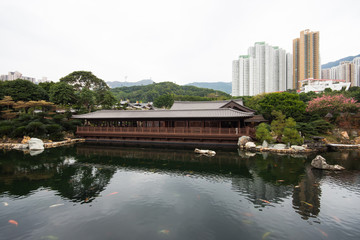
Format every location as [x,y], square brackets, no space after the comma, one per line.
[306,196]
[256,188]
[21,174]
[81,183]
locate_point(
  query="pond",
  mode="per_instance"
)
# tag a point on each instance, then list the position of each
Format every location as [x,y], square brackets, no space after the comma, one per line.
[133,192]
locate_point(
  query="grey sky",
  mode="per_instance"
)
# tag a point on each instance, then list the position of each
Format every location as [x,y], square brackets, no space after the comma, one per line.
[168,40]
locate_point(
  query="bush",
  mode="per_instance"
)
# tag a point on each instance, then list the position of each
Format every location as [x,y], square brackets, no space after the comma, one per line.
[53,128]
[292,136]
[36,129]
[19,132]
[263,133]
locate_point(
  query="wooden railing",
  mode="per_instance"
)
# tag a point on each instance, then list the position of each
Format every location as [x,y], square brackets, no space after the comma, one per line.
[162,130]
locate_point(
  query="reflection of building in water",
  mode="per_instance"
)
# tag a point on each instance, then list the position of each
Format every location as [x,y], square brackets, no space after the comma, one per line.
[306,197]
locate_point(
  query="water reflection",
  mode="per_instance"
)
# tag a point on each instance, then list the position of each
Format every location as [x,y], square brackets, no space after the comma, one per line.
[81,173]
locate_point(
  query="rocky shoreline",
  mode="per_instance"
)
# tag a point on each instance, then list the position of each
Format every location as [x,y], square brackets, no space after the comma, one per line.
[246,143]
[23,146]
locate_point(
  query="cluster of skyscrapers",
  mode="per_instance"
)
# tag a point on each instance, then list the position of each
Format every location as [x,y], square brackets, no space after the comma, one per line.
[267,68]
[17,75]
[346,70]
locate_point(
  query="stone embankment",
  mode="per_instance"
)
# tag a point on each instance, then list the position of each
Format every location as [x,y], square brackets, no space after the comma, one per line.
[20,146]
[247,143]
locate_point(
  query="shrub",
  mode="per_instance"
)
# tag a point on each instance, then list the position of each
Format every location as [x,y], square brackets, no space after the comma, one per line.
[263,133]
[36,129]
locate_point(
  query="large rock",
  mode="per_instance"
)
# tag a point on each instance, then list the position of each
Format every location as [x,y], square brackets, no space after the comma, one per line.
[265,144]
[250,145]
[320,163]
[36,144]
[279,146]
[344,134]
[243,140]
[297,148]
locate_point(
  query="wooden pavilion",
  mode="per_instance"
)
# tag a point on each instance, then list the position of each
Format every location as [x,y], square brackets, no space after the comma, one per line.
[217,122]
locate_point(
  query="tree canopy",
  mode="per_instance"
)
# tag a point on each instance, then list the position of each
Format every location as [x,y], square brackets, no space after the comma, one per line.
[84,79]
[149,93]
[23,90]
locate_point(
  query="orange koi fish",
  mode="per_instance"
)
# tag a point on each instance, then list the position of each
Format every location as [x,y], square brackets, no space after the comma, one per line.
[164,231]
[264,201]
[113,193]
[336,218]
[248,214]
[14,222]
[309,204]
[322,232]
[280,180]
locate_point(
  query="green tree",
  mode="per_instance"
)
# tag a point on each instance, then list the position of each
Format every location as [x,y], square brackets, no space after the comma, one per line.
[291,135]
[107,100]
[164,101]
[278,124]
[263,133]
[62,93]
[82,79]
[87,99]
[23,90]
[288,103]
[46,86]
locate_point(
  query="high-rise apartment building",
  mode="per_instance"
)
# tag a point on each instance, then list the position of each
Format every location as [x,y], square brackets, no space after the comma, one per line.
[346,70]
[306,57]
[265,69]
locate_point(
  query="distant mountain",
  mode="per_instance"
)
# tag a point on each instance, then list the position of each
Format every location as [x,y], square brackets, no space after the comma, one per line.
[221,86]
[336,63]
[129,84]
[150,92]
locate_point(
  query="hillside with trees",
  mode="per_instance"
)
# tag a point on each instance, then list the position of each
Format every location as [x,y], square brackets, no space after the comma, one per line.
[151,92]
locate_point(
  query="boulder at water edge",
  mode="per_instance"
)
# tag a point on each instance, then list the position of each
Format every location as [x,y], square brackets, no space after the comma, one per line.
[320,163]
[279,146]
[265,144]
[36,144]
[243,140]
[250,145]
[297,148]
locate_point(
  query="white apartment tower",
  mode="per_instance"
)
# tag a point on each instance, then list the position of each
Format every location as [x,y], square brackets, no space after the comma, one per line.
[265,69]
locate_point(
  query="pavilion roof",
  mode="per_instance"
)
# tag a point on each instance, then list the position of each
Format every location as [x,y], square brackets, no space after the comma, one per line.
[165,114]
[182,105]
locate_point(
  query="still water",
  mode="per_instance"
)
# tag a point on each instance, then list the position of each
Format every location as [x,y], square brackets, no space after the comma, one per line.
[118,192]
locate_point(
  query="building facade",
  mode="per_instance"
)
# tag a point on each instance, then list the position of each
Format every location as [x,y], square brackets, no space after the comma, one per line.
[17,75]
[348,71]
[306,57]
[265,69]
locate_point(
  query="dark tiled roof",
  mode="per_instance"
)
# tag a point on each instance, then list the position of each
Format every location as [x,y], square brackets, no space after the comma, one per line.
[165,114]
[182,105]
[256,118]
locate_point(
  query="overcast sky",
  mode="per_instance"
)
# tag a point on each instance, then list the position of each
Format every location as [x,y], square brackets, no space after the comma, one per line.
[180,41]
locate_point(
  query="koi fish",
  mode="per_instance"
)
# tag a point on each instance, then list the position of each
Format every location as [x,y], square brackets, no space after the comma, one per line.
[322,232]
[56,205]
[164,231]
[50,237]
[309,204]
[113,193]
[266,235]
[297,186]
[5,204]
[280,180]
[336,218]
[248,214]
[247,222]
[264,201]
[13,222]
